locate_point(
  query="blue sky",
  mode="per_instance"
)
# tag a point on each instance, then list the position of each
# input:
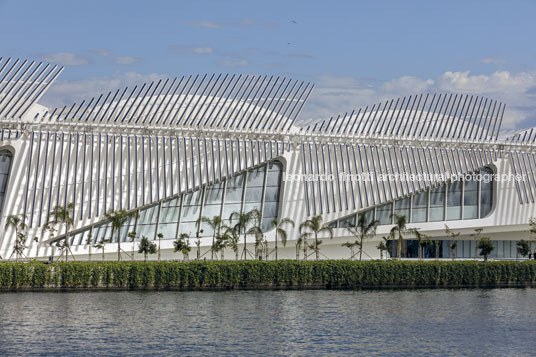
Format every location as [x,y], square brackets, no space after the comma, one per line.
[358,52]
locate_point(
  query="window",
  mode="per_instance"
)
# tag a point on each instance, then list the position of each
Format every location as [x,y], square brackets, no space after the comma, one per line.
[5,166]
[470,199]
[454,200]
[347,222]
[486,192]
[402,208]
[420,205]
[437,204]
[211,206]
[383,213]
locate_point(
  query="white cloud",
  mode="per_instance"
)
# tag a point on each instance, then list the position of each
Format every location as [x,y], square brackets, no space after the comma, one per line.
[65,58]
[207,24]
[126,60]
[237,63]
[407,84]
[241,23]
[102,52]
[334,95]
[67,92]
[497,61]
[196,50]
[202,50]
[119,60]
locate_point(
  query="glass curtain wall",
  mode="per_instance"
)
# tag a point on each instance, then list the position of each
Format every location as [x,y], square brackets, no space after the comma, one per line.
[467,199]
[504,249]
[258,188]
[5,166]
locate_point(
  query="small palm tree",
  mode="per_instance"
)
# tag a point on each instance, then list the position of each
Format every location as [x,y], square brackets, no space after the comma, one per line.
[182,244]
[132,237]
[362,231]
[302,240]
[198,243]
[316,228]
[160,236]
[222,242]
[280,231]
[17,223]
[89,242]
[421,237]
[453,236]
[146,247]
[350,246]
[399,230]
[384,246]
[243,221]
[256,231]
[232,236]
[61,216]
[118,220]
[102,245]
[215,224]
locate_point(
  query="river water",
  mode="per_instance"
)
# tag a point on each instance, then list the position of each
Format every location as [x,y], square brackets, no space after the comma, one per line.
[401,322]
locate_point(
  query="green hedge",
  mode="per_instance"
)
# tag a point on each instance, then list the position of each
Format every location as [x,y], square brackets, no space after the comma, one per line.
[285,274]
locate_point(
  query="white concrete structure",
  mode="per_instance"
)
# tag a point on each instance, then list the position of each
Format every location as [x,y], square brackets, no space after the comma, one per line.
[175,150]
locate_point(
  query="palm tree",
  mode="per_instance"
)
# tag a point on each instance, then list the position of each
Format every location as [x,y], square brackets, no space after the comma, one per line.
[350,246]
[146,247]
[302,239]
[198,243]
[280,230]
[215,224]
[118,220]
[17,223]
[454,236]
[256,230]
[362,231]
[182,244]
[160,236]
[89,241]
[132,237]
[243,220]
[222,241]
[384,246]
[315,226]
[61,216]
[232,236]
[421,237]
[399,230]
[102,245]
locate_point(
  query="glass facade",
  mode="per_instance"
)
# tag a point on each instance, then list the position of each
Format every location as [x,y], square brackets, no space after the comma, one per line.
[456,200]
[5,167]
[504,249]
[258,188]
[419,208]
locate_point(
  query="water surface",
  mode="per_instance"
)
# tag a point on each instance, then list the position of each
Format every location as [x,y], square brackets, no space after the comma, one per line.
[401,322]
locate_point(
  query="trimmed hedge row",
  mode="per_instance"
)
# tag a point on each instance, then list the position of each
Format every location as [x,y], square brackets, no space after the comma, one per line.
[284,274]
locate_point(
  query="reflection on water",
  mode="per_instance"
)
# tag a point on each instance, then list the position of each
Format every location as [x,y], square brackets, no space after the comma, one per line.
[402,322]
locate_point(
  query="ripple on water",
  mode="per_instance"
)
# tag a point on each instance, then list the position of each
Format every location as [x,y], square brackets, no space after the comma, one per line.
[402,322]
